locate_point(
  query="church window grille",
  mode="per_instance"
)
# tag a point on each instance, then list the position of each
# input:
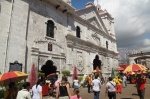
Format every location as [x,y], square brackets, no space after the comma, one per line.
[107,44]
[78,31]
[50,29]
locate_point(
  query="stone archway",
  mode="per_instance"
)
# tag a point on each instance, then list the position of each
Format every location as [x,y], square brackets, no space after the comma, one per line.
[48,68]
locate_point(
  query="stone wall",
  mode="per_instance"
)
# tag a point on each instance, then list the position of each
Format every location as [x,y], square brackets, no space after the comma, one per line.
[5,16]
[14,18]
[24,38]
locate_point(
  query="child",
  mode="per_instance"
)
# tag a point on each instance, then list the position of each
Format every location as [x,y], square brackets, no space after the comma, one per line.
[76,94]
[51,93]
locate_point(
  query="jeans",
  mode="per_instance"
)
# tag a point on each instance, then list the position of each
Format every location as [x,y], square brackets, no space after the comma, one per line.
[141,93]
[112,95]
[124,83]
[89,88]
[96,94]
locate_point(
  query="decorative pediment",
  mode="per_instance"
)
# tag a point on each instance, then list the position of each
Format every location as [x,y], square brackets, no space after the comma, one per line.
[94,22]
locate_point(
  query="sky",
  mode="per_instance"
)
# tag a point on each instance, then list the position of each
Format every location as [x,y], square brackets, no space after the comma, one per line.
[132,21]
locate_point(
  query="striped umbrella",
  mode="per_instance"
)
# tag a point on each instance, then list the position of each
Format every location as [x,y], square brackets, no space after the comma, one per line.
[135,67]
[14,76]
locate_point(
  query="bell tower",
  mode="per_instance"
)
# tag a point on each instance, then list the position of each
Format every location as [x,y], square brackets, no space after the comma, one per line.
[96,3]
[67,1]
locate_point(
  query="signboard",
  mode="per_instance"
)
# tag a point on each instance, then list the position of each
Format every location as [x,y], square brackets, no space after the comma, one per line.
[15,66]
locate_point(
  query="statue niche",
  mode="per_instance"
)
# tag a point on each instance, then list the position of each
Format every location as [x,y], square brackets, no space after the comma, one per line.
[97,63]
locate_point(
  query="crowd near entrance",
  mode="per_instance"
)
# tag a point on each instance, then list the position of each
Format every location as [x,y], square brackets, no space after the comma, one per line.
[47,82]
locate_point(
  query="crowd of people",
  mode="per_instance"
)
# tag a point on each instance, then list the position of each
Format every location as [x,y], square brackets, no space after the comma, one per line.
[113,86]
[62,90]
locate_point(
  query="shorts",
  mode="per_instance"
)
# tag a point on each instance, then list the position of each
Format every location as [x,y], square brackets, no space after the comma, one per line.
[76,86]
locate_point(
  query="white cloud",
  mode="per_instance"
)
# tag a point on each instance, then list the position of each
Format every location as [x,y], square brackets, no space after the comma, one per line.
[147,42]
[132,22]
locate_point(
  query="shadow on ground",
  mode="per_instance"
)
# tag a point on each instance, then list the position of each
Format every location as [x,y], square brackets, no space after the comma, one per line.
[126,98]
[134,94]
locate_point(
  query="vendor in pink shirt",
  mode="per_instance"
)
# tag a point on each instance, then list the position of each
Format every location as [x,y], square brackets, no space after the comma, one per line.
[76,94]
[57,81]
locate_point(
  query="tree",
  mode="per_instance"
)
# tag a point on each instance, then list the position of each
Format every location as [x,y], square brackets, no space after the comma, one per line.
[33,77]
[75,74]
[66,72]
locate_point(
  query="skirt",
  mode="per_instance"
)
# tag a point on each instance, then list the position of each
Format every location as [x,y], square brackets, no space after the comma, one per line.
[119,88]
[64,97]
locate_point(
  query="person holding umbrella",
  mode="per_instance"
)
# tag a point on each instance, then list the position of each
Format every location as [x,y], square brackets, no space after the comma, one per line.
[11,93]
[10,78]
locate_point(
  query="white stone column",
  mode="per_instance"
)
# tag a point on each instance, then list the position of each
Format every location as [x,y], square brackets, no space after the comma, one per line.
[17,37]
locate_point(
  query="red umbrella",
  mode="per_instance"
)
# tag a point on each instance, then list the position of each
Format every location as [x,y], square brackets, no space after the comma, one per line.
[14,76]
[134,67]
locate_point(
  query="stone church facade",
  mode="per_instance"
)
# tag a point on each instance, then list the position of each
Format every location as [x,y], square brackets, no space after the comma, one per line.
[34,31]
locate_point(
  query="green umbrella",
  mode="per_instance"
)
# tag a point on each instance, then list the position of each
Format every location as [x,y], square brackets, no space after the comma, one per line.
[112,73]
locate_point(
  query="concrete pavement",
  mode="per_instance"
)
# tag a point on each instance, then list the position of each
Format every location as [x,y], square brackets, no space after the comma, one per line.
[128,93]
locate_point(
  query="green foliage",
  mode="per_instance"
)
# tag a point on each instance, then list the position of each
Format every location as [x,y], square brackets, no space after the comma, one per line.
[2,93]
[85,83]
[80,74]
[19,85]
[80,78]
[86,78]
[40,74]
[120,75]
[66,72]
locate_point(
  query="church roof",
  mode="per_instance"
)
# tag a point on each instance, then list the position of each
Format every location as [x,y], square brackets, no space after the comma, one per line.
[100,11]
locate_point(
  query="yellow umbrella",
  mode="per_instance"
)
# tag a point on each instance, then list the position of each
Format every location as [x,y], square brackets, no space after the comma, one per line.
[134,67]
[14,76]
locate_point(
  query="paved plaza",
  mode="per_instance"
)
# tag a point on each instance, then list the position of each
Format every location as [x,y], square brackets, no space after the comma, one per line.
[128,93]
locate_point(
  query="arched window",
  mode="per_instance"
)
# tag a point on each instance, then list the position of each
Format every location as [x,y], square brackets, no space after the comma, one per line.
[107,44]
[78,32]
[50,29]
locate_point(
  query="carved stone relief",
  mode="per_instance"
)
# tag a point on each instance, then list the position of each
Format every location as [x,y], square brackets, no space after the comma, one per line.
[70,67]
[79,59]
[96,39]
[41,61]
[63,64]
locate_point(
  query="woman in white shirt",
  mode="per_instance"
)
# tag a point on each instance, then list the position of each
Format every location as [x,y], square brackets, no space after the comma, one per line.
[37,90]
[76,83]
